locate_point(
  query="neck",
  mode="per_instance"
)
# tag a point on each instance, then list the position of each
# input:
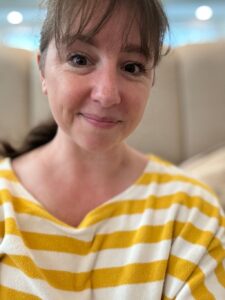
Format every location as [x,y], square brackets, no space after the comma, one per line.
[78,162]
[90,178]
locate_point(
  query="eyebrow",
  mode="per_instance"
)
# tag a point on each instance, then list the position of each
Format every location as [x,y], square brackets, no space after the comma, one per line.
[129,48]
[86,39]
[132,48]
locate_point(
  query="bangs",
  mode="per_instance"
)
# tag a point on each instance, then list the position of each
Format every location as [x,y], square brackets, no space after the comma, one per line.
[81,14]
[73,17]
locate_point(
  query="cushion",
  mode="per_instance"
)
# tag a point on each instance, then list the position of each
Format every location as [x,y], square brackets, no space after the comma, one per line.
[209,167]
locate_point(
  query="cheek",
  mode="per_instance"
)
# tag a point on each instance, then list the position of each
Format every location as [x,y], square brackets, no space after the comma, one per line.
[75,90]
[67,98]
[138,100]
[65,94]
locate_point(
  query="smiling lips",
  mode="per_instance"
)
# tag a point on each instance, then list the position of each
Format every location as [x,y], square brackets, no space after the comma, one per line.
[101,122]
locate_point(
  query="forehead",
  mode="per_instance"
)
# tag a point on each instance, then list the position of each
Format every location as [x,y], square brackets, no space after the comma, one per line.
[121,22]
[121,26]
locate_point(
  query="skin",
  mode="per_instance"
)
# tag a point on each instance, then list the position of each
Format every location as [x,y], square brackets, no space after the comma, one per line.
[97,93]
[97,104]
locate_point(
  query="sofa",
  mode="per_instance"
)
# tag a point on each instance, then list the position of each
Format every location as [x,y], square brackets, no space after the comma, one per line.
[185,116]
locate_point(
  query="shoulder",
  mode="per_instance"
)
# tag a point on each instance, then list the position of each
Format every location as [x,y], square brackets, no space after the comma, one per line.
[166,172]
[174,187]
[191,205]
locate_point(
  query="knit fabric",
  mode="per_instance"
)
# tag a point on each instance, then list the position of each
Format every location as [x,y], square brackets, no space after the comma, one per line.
[162,238]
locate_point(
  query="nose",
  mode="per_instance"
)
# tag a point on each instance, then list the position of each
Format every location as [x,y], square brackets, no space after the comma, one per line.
[105,89]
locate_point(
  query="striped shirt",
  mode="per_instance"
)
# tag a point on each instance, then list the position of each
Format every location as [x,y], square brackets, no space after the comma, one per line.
[162,238]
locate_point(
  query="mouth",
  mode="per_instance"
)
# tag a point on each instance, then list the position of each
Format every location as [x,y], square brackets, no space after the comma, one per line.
[100,121]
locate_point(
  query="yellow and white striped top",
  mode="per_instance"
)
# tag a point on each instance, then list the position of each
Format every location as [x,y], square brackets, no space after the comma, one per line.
[162,238]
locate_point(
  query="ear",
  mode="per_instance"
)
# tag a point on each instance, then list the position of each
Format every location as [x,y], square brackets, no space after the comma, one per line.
[42,75]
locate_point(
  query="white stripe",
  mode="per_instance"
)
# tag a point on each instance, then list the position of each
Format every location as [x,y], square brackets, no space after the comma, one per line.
[119,223]
[158,218]
[214,286]
[220,234]
[50,260]
[185,294]
[204,261]
[6,211]
[149,291]
[15,279]
[32,223]
[188,251]
[5,164]
[199,256]
[140,253]
[16,189]
[169,169]
[161,168]
[172,286]
[208,265]
[140,192]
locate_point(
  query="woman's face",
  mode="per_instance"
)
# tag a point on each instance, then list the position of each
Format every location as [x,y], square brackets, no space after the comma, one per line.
[98,89]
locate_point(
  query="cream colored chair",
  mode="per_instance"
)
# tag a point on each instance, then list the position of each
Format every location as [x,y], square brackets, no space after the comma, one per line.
[186,113]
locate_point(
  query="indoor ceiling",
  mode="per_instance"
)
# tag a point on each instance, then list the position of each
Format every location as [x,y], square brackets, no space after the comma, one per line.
[185,27]
[181,9]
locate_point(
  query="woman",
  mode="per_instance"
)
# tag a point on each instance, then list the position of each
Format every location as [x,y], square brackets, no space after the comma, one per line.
[84,216]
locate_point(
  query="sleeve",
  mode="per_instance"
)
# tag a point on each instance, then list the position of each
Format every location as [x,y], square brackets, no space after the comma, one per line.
[196,267]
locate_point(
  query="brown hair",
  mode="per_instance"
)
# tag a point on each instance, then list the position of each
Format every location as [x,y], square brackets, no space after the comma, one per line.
[61,15]
[58,25]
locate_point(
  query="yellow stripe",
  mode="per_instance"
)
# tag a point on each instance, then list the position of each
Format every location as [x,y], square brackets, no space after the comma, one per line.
[180,268]
[126,239]
[99,278]
[192,234]
[198,287]
[26,206]
[11,294]
[130,207]
[8,174]
[192,274]
[220,273]
[123,239]
[113,209]
[217,251]
[9,226]
[25,264]
[161,178]
[145,234]
[222,221]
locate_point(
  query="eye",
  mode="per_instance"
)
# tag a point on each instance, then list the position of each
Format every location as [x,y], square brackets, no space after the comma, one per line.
[134,68]
[79,60]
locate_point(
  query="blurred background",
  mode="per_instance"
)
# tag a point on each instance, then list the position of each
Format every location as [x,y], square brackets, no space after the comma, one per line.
[192,21]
